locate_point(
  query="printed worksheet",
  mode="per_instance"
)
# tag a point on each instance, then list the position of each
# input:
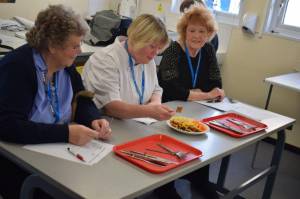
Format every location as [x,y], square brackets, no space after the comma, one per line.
[88,154]
[229,105]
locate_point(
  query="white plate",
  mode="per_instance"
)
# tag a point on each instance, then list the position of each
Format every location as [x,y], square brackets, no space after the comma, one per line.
[188,132]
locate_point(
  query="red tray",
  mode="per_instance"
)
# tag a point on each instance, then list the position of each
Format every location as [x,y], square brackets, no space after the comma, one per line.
[151,142]
[258,126]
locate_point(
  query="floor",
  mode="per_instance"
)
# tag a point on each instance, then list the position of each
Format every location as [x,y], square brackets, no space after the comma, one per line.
[287,184]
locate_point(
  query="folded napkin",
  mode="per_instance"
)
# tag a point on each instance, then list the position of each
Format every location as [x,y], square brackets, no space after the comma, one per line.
[145,120]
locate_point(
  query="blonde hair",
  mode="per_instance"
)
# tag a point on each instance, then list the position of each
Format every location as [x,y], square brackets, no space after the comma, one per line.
[54,25]
[147,29]
[197,15]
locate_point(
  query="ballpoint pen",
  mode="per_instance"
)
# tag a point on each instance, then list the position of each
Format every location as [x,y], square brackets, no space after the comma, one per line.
[215,100]
[78,156]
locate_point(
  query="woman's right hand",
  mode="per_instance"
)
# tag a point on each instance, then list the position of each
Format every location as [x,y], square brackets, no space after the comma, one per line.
[216,93]
[160,112]
[80,134]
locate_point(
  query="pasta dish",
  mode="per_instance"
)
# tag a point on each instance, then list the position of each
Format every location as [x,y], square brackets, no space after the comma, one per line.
[187,124]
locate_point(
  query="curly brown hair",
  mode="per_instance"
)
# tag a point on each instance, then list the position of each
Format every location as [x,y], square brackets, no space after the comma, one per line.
[197,15]
[54,25]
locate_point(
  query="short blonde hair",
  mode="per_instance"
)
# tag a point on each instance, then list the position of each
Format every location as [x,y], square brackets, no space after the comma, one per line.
[54,25]
[147,29]
[197,15]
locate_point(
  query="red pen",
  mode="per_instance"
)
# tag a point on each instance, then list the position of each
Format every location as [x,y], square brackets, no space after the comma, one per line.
[78,156]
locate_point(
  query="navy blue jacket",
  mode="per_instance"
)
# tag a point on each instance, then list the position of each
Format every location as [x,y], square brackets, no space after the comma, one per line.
[18,88]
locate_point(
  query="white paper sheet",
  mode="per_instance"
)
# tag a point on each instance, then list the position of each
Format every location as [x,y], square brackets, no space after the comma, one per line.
[225,105]
[239,107]
[145,120]
[11,41]
[92,152]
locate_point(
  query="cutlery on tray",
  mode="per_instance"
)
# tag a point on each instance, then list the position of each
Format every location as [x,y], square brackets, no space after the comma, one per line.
[226,126]
[179,154]
[159,161]
[241,124]
[158,151]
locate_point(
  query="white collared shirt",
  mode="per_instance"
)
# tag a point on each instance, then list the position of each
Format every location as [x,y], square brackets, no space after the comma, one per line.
[107,74]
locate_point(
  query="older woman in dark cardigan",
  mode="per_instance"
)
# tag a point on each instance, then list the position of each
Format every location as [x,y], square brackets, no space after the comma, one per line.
[188,70]
[37,86]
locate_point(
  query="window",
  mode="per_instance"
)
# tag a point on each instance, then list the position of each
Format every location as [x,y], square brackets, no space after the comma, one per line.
[226,11]
[283,18]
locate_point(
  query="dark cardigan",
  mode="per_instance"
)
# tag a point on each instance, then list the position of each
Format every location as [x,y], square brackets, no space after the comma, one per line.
[18,88]
[174,74]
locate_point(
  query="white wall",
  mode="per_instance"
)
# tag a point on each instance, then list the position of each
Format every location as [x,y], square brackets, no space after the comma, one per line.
[247,63]
[171,20]
[30,8]
[96,5]
[250,60]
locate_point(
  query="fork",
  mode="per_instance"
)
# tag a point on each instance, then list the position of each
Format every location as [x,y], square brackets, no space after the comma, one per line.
[179,154]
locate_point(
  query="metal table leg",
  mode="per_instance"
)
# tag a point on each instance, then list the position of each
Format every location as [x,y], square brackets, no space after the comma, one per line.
[269,173]
[274,163]
[269,97]
[266,108]
[222,174]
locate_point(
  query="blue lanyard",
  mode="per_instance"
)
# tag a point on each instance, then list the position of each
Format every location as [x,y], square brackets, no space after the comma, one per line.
[50,92]
[142,91]
[194,74]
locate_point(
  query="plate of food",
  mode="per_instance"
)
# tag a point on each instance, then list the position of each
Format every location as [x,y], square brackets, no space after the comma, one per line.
[187,125]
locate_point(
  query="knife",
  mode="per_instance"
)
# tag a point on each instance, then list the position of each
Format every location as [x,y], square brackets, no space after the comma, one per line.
[156,163]
[242,124]
[226,126]
[150,158]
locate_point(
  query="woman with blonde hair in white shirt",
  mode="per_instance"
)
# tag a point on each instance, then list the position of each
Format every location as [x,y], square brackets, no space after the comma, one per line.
[123,74]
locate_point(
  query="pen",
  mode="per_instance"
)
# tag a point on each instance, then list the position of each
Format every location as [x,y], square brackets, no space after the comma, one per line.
[78,156]
[215,100]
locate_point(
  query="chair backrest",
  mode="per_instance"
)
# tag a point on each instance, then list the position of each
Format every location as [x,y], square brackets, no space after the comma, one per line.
[106,26]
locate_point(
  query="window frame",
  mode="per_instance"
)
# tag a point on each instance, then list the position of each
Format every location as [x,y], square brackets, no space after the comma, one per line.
[229,18]
[274,21]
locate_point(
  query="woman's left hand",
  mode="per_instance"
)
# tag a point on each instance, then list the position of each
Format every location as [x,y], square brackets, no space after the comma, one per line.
[102,126]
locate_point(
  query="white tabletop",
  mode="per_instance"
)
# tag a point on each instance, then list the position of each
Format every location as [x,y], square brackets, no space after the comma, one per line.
[9,38]
[113,177]
[291,81]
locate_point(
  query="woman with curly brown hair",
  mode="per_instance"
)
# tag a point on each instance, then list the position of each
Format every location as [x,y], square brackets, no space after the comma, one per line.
[188,70]
[38,84]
